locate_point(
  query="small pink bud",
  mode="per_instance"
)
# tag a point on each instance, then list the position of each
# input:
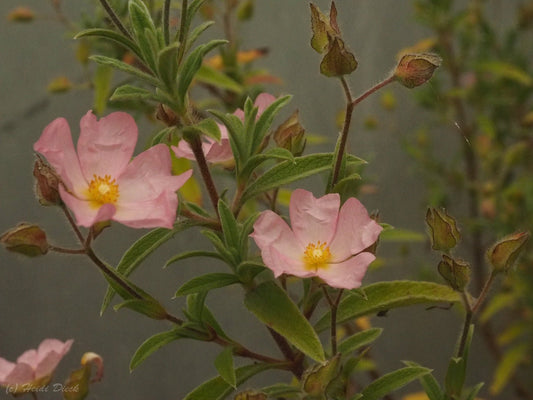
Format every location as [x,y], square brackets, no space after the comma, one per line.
[290,135]
[504,253]
[456,272]
[416,69]
[21,14]
[26,239]
[46,183]
[443,230]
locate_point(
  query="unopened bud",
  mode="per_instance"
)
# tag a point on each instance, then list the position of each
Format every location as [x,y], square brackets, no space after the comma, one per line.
[443,230]
[26,239]
[316,380]
[21,14]
[245,11]
[416,69]
[504,253]
[61,84]
[166,115]
[290,135]
[456,272]
[47,183]
[251,395]
[77,385]
[322,28]
[338,61]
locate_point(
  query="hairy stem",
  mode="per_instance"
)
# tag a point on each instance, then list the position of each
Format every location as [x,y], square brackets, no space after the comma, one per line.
[466,326]
[166,21]
[333,305]
[115,19]
[196,147]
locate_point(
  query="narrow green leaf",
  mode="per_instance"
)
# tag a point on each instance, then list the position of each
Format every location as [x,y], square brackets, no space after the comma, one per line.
[167,65]
[195,306]
[111,35]
[207,282]
[359,340]
[392,381]
[429,383]
[129,92]
[191,254]
[213,77]
[281,390]
[508,365]
[122,66]
[236,134]
[102,87]
[206,127]
[195,33]
[229,225]
[225,367]
[151,345]
[383,296]
[264,121]
[217,388]
[150,308]
[226,255]
[142,24]
[271,305]
[137,253]
[255,161]
[401,235]
[474,391]
[455,377]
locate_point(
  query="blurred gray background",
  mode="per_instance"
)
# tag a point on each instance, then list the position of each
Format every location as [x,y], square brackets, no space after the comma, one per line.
[60,296]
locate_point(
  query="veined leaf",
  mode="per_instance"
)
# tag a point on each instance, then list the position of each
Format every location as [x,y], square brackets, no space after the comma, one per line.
[213,77]
[191,254]
[206,127]
[359,340]
[392,381]
[142,24]
[167,65]
[122,66]
[429,383]
[207,282]
[255,161]
[271,305]
[383,296]
[195,33]
[111,35]
[150,308]
[225,367]
[151,345]
[129,92]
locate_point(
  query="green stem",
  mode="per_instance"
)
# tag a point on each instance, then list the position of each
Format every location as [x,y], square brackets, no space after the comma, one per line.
[466,325]
[334,305]
[166,22]
[66,251]
[483,295]
[116,20]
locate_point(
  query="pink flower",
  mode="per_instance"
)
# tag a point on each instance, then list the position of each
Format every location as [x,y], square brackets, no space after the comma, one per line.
[34,368]
[101,182]
[323,241]
[220,152]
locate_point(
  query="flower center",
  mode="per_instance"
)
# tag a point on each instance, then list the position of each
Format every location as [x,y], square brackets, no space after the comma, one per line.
[103,190]
[317,256]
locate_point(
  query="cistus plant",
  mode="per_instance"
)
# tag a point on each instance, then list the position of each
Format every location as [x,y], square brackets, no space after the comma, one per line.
[304,281]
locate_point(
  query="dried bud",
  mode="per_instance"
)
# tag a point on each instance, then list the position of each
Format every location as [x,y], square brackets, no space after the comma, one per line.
[26,239]
[338,61]
[61,84]
[416,69]
[443,230]
[166,115]
[47,183]
[77,385]
[316,380]
[251,395]
[504,253]
[290,135]
[322,28]
[21,14]
[455,272]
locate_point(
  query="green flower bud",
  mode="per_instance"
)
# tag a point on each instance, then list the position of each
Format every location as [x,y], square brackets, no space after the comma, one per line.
[443,230]
[322,27]
[416,69]
[290,135]
[46,183]
[245,11]
[456,272]
[338,61]
[26,239]
[504,253]
[316,380]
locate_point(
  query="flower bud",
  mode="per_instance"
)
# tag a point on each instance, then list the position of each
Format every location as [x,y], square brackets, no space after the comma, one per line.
[290,135]
[504,253]
[416,69]
[338,61]
[245,11]
[317,378]
[26,239]
[21,14]
[61,84]
[321,27]
[251,395]
[443,230]
[77,385]
[456,272]
[46,183]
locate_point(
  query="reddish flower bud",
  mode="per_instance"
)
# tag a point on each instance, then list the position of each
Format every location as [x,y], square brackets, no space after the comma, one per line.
[47,183]
[416,69]
[504,253]
[456,272]
[290,135]
[443,230]
[26,239]
[21,14]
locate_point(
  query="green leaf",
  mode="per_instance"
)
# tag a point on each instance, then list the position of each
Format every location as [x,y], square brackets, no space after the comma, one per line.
[137,253]
[206,127]
[225,367]
[236,134]
[392,381]
[102,87]
[191,254]
[150,308]
[277,153]
[429,383]
[213,77]
[281,390]
[142,24]
[111,35]
[217,388]
[129,92]
[225,254]
[263,123]
[167,65]
[287,172]
[271,305]
[508,365]
[359,340]
[383,296]
[196,32]
[506,71]
[122,66]
[151,345]
[229,225]
[455,377]
[401,235]
[474,391]
[207,282]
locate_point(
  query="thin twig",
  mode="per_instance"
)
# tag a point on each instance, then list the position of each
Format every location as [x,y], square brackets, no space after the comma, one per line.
[115,19]
[166,22]
[196,147]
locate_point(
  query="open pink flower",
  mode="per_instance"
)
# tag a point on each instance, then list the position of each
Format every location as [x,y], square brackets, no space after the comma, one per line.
[102,182]
[34,368]
[220,152]
[323,241]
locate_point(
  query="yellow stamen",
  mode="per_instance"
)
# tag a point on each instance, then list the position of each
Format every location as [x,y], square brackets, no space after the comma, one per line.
[317,256]
[103,190]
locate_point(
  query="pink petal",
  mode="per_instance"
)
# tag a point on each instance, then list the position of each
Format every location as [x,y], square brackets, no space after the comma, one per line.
[5,369]
[277,243]
[347,274]
[157,212]
[183,150]
[56,145]
[262,102]
[49,345]
[355,230]
[29,357]
[84,211]
[215,152]
[22,373]
[105,147]
[219,152]
[312,219]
